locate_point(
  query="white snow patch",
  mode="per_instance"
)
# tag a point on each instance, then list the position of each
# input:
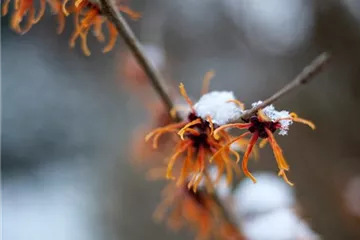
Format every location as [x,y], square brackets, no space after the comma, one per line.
[215,105]
[274,115]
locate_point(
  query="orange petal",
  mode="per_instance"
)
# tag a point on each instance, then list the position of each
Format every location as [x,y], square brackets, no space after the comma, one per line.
[277,151]
[295,118]
[185,96]
[263,143]
[63,6]
[112,39]
[185,168]
[228,145]
[238,103]
[206,81]
[134,15]
[172,160]
[61,22]
[232,125]
[211,125]
[283,175]
[84,45]
[245,160]
[182,131]
[41,12]
[5,7]
[98,30]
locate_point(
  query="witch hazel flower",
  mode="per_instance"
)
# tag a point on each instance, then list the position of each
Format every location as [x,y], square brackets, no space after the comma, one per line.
[87,14]
[196,141]
[27,9]
[262,125]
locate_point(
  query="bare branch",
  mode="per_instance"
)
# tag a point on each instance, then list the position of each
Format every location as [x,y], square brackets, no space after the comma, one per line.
[303,78]
[157,81]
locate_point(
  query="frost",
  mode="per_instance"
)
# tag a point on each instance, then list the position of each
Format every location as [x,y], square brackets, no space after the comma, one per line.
[274,115]
[215,105]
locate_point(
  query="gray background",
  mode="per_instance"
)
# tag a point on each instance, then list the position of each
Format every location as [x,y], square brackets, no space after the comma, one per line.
[67,119]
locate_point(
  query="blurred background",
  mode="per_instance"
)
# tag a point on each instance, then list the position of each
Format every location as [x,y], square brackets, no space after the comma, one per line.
[68,119]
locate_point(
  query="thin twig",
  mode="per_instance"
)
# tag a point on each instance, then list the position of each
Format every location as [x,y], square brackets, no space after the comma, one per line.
[303,78]
[109,10]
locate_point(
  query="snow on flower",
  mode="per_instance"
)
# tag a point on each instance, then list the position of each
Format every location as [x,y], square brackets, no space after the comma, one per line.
[221,106]
[275,115]
[196,139]
[262,125]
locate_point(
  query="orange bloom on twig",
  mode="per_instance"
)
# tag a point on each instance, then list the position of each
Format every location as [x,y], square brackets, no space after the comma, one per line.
[263,125]
[27,7]
[196,141]
[21,9]
[88,14]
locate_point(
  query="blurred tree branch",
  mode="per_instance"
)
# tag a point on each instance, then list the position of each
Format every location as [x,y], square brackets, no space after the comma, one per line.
[157,81]
[304,77]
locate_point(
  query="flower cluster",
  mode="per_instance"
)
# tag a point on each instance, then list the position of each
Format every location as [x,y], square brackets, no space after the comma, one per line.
[196,141]
[87,14]
[202,142]
[262,125]
[203,139]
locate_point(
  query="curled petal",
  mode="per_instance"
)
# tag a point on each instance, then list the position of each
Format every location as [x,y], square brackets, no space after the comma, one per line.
[84,45]
[41,12]
[211,125]
[248,151]
[295,118]
[159,131]
[98,31]
[232,125]
[263,143]
[183,146]
[227,145]
[206,81]
[112,40]
[134,15]
[283,175]
[185,96]
[18,17]
[182,131]
[282,164]
[237,102]
[5,7]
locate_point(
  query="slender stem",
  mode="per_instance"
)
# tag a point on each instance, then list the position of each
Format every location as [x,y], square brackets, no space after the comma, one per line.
[157,82]
[305,76]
